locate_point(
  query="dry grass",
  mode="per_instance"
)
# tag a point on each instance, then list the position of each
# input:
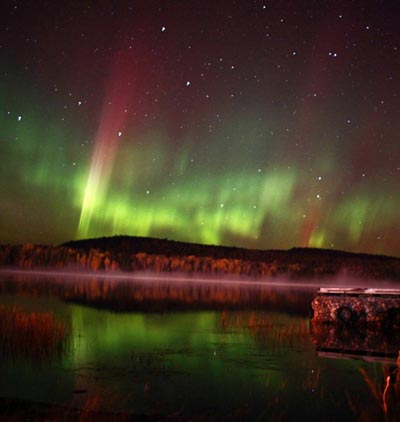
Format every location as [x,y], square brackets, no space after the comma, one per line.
[31,335]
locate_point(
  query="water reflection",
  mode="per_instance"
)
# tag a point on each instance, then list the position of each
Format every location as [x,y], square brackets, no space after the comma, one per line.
[253,359]
[372,345]
[358,340]
[384,385]
[155,295]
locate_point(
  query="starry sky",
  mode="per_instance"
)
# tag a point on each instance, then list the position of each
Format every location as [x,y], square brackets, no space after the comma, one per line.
[263,124]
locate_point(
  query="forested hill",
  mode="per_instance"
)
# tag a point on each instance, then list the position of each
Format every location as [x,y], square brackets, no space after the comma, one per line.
[149,245]
[127,253]
[164,255]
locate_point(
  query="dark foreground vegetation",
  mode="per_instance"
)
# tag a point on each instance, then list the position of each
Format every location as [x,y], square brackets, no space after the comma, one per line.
[30,334]
[126,253]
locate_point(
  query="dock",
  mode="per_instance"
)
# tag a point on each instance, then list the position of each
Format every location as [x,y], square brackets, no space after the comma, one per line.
[357,306]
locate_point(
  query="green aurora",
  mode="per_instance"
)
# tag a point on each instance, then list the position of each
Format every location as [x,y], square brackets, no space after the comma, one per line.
[153,191]
[242,158]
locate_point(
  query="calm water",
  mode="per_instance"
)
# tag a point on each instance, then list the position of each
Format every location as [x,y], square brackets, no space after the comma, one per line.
[189,350]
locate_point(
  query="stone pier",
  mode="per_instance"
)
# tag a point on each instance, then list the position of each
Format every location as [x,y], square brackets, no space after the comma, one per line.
[371,307]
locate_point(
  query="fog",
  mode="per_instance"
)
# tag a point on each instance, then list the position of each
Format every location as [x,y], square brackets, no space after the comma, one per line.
[340,281]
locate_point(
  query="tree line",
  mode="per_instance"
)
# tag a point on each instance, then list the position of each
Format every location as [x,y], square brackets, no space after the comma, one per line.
[293,263]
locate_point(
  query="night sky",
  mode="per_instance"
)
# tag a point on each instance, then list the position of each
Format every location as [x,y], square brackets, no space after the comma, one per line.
[266,124]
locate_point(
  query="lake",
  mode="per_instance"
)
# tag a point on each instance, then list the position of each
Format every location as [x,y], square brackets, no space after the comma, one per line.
[184,350]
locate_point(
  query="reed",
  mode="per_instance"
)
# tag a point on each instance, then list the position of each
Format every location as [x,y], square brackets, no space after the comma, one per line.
[31,335]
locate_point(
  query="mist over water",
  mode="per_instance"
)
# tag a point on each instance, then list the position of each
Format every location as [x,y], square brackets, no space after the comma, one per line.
[196,278]
[188,346]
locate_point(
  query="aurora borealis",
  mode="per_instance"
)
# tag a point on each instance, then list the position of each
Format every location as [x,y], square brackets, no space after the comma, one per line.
[267,124]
